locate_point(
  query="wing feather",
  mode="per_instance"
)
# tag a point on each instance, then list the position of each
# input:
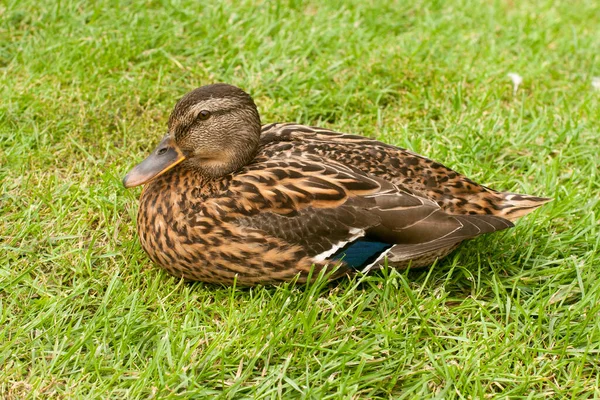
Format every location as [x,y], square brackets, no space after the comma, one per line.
[321,206]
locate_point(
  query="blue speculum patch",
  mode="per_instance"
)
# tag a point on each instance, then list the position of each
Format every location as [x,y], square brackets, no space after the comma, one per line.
[361,252]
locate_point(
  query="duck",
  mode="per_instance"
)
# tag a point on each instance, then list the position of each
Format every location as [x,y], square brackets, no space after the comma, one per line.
[228,200]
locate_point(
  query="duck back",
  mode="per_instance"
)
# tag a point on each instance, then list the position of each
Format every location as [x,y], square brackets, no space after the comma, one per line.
[453,192]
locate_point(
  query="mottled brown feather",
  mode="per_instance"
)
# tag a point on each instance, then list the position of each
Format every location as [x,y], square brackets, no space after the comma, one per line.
[305,194]
[454,192]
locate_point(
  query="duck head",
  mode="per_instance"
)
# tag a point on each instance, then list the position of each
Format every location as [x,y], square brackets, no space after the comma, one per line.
[214,130]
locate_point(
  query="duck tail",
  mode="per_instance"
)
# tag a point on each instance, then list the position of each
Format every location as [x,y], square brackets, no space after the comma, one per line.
[514,205]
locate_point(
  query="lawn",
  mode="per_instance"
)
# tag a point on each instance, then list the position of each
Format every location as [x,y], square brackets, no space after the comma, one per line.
[86,89]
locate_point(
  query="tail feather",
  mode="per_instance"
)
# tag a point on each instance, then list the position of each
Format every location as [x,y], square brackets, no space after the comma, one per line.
[514,205]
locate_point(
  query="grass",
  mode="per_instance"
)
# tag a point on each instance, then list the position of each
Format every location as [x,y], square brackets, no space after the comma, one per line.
[86,90]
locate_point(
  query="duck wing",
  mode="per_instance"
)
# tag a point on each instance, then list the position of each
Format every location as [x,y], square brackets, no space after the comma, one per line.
[454,192]
[331,211]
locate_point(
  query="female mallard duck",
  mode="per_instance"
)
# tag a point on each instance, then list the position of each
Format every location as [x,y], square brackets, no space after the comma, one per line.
[226,199]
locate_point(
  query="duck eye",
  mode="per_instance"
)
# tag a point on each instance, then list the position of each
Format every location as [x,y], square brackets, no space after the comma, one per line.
[204,115]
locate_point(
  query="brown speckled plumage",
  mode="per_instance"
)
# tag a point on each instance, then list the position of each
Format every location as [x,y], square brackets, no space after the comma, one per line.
[265,205]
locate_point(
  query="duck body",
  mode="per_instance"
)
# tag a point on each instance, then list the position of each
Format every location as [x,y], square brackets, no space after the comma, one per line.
[305,198]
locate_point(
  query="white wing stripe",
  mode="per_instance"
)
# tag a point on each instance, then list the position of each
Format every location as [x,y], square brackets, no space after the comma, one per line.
[355,232]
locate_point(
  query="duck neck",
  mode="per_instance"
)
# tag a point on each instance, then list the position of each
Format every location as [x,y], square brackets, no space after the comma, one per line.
[217,166]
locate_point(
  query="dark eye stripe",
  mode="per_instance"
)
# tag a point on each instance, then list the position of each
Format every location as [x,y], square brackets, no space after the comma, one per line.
[220,112]
[182,129]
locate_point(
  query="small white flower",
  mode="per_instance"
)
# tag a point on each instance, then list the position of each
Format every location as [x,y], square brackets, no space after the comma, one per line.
[516,80]
[596,82]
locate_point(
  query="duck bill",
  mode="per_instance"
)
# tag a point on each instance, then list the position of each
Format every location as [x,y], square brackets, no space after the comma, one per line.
[163,158]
